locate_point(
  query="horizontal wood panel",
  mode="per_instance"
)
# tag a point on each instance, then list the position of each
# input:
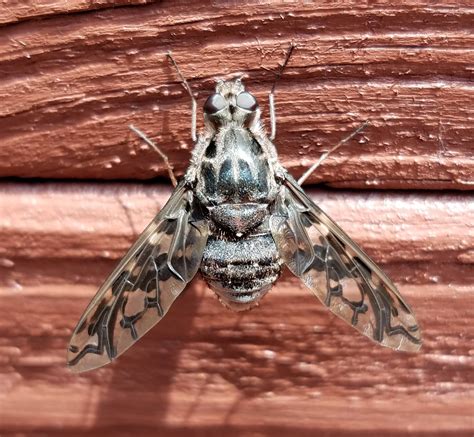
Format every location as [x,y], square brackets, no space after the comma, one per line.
[102,220]
[30,9]
[373,160]
[207,369]
[204,366]
[409,75]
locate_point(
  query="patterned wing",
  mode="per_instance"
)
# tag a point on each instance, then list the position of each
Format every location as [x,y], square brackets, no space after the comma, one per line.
[339,273]
[143,286]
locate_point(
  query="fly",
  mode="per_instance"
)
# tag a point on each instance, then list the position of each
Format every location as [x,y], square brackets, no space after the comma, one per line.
[238,217]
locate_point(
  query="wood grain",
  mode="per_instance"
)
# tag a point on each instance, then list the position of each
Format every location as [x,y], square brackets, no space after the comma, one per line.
[101,221]
[407,69]
[74,74]
[21,10]
[205,369]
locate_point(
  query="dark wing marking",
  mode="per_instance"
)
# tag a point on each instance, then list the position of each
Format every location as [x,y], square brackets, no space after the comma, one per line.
[143,286]
[338,271]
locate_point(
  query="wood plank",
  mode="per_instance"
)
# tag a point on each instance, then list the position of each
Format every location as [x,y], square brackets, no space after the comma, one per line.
[175,11]
[84,79]
[205,368]
[102,220]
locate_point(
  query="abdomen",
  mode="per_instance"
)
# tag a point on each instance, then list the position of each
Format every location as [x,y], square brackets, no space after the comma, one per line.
[241,271]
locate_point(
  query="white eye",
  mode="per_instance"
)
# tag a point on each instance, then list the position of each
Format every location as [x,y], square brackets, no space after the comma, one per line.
[247,101]
[214,103]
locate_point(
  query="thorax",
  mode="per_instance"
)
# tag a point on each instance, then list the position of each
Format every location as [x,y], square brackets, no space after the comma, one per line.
[235,169]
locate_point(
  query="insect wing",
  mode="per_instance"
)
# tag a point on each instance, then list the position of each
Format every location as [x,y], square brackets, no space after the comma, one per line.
[143,286]
[339,273]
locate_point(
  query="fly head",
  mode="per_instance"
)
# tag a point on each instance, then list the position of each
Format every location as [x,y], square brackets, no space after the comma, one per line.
[231,104]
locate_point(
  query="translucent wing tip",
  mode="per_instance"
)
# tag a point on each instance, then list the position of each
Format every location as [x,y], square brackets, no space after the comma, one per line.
[83,362]
[403,344]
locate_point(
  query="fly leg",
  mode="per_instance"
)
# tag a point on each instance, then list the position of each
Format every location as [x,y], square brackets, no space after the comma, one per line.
[332,149]
[271,96]
[147,140]
[186,86]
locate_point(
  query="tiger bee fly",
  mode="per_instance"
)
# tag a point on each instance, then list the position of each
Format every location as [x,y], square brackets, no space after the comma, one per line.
[238,216]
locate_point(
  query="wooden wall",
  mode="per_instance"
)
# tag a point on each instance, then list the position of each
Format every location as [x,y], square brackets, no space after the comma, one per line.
[77,187]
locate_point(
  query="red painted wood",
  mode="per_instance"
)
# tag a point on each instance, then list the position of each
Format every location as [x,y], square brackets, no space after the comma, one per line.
[85,77]
[74,74]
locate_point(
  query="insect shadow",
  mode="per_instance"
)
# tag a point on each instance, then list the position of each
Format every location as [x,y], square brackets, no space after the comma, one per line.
[141,384]
[199,356]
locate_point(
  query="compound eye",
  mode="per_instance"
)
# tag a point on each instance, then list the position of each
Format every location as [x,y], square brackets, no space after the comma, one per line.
[247,101]
[214,103]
